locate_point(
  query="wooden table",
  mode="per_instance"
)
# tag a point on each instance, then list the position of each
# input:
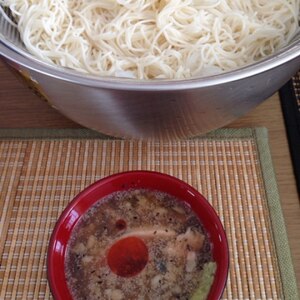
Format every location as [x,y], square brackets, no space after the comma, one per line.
[19,107]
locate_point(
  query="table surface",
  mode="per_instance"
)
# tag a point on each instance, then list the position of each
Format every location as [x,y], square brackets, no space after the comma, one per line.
[21,108]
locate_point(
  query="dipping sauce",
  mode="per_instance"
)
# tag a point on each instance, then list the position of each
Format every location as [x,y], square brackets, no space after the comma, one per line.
[139,244]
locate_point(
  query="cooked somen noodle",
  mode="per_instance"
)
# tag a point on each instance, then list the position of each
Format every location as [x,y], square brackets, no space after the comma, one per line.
[150,39]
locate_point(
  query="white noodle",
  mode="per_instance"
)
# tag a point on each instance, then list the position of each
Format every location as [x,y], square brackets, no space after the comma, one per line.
[6,17]
[149,39]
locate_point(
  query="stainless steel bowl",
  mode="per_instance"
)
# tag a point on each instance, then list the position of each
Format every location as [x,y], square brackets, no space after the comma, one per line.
[155,109]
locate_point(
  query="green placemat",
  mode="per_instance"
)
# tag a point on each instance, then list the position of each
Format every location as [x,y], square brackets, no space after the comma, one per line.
[41,170]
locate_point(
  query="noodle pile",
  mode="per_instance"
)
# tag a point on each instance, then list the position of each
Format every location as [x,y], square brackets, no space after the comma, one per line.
[154,39]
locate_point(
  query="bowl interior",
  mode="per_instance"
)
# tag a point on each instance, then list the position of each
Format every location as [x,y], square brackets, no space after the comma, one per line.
[135,180]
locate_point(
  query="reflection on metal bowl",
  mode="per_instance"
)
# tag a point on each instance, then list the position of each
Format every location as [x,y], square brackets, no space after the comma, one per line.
[168,109]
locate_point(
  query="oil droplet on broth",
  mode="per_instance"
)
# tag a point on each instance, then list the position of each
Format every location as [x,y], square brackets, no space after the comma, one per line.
[128,257]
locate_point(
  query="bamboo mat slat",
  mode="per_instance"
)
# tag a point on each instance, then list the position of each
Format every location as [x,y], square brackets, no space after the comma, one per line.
[41,171]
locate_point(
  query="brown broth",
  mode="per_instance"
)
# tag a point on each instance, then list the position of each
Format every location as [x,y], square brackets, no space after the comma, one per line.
[107,259]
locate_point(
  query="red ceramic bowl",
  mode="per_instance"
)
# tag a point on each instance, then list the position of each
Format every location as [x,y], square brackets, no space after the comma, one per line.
[128,180]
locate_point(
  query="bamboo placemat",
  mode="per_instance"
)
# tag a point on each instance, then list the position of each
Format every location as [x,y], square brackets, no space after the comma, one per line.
[42,170]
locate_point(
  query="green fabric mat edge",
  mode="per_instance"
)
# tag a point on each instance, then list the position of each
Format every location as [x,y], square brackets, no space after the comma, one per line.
[286,267]
[79,133]
[260,135]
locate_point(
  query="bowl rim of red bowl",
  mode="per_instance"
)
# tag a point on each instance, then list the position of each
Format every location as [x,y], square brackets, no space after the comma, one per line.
[57,249]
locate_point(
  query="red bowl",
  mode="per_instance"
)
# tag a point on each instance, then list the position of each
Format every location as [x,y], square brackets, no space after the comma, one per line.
[124,181]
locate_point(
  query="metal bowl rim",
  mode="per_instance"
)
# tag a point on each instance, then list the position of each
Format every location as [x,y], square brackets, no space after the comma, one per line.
[19,57]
